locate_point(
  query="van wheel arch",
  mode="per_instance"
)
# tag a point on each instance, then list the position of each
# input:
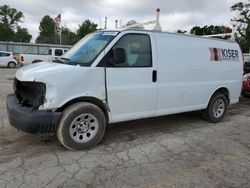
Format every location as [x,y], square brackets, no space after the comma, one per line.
[224,91]
[104,107]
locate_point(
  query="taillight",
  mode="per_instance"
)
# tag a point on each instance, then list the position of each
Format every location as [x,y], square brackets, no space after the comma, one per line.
[22,59]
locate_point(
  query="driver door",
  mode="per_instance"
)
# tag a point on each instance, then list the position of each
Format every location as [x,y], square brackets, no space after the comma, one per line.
[131,78]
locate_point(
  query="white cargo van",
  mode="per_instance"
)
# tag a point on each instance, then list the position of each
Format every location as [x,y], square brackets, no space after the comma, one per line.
[115,76]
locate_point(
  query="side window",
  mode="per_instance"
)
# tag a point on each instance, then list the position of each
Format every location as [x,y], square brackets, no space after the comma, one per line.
[50,52]
[132,50]
[58,52]
[3,54]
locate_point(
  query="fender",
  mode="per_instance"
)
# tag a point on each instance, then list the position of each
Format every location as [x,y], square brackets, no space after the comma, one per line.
[102,105]
[221,89]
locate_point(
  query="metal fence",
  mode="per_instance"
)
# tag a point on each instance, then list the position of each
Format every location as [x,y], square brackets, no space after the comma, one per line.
[26,48]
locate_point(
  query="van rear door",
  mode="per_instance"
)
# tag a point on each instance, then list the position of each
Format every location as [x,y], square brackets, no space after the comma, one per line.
[131,77]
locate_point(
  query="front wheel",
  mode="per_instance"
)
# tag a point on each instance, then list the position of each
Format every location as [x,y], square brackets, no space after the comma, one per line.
[82,126]
[216,109]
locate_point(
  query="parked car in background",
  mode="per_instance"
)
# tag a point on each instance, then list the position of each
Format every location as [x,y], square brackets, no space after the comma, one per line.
[7,59]
[247,67]
[53,54]
[246,85]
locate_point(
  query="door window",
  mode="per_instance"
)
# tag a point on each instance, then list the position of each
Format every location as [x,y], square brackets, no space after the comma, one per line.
[4,54]
[50,52]
[132,50]
[58,52]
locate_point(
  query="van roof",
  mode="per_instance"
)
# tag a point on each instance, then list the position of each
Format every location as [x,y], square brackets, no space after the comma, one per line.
[166,32]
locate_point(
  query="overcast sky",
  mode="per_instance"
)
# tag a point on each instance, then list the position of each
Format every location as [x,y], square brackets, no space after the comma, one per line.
[175,14]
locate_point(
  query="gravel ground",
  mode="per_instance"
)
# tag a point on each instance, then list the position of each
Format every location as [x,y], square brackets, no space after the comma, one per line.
[172,151]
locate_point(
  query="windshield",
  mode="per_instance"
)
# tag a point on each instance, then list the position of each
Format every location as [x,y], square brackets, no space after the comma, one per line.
[86,50]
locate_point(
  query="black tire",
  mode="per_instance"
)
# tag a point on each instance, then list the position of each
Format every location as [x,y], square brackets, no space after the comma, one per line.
[70,131]
[213,113]
[11,64]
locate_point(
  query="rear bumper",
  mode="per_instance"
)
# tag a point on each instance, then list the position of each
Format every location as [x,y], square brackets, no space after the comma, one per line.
[29,120]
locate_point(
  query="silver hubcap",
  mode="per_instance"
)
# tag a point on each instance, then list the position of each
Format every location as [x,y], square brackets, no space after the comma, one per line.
[218,108]
[83,128]
[11,65]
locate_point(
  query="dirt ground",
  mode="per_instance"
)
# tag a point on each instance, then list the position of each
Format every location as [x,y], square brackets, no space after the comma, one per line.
[172,151]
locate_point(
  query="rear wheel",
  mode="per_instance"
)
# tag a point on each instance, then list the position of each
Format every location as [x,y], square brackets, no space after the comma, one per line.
[216,109]
[82,126]
[11,65]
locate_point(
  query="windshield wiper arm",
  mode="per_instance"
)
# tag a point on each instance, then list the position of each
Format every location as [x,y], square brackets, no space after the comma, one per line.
[58,61]
[64,58]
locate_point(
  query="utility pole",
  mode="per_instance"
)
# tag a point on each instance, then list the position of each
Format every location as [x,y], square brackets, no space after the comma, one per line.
[116,24]
[105,26]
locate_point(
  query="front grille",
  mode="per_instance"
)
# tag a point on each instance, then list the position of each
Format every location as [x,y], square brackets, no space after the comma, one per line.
[31,94]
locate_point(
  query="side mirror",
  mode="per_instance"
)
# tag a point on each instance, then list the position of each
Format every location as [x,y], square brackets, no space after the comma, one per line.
[119,55]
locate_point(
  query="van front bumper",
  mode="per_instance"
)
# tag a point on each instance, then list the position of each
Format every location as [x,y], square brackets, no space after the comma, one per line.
[30,120]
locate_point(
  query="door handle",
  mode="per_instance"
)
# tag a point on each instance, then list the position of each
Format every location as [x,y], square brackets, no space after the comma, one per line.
[154,76]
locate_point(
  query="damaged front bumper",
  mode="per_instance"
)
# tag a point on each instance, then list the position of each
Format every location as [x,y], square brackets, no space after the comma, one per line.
[29,119]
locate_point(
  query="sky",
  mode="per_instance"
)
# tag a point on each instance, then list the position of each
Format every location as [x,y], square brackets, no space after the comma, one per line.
[175,14]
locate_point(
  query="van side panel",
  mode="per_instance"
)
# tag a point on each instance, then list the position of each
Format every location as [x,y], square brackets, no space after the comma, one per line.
[191,69]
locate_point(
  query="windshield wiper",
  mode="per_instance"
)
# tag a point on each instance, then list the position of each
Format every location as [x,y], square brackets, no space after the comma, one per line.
[64,58]
[79,63]
[59,61]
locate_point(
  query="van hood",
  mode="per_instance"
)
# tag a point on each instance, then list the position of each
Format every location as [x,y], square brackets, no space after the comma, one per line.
[33,71]
[64,82]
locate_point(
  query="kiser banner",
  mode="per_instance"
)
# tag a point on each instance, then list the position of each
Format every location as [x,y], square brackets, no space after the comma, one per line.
[219,54]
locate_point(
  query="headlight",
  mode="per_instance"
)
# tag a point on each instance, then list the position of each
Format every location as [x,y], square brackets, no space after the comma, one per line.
[30,93]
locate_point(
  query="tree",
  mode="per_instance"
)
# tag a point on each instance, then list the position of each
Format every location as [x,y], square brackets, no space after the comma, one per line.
[85,28]
[48,34]
[210,30]
[10,16]
[180,31]
[6,33]
[9,29]
[68,37]
[242,24]
[22,35]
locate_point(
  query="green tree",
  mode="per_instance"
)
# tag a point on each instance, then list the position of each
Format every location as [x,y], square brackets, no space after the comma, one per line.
[68,37]
[22,35]
[48,34]
[9,29]
[242,24]
[209,30]
[6,33]
[180,31]
[85,28]
[10,16]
